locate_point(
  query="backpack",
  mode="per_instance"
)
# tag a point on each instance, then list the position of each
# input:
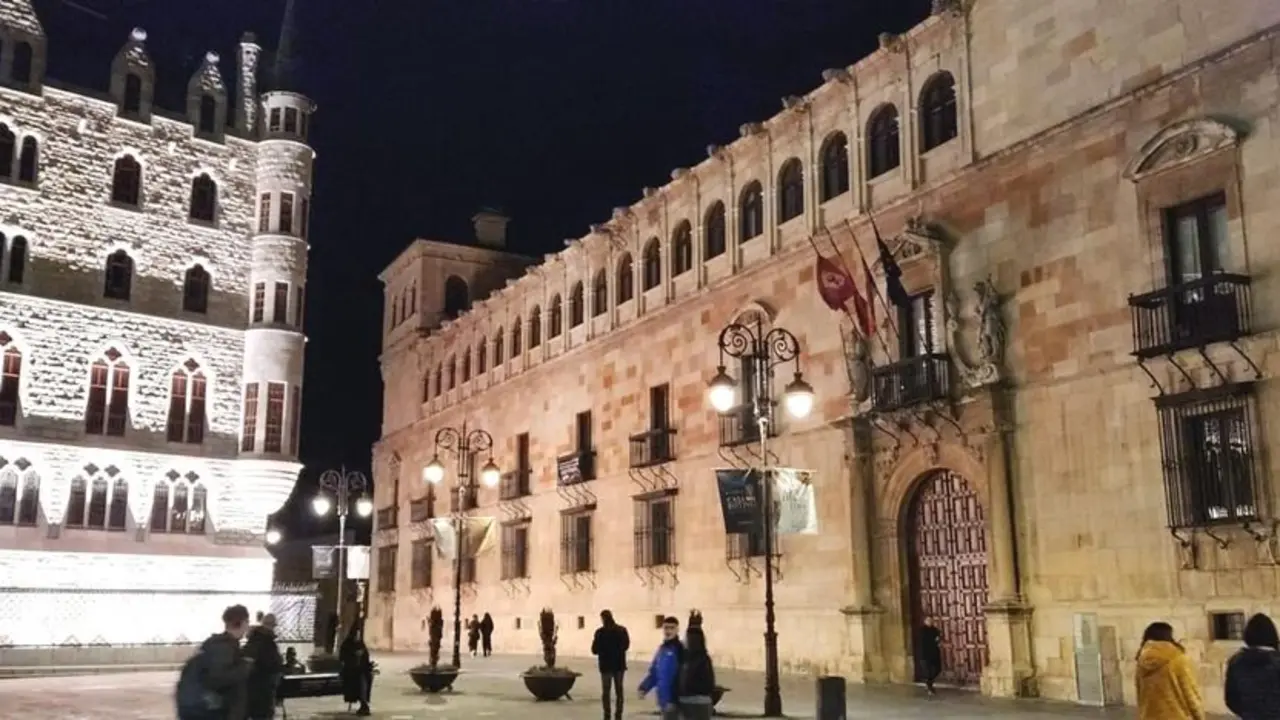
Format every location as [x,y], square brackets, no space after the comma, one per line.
[192,695]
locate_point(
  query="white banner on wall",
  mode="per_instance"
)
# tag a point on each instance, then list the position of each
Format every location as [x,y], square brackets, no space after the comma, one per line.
[795,503]
[358,562]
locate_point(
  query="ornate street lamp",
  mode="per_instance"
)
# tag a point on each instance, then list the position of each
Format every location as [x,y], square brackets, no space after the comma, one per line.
[464,444]
[345,485]
[760,352]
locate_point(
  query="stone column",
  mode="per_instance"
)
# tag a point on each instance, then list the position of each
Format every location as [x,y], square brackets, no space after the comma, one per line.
[1002,578]
[862,614]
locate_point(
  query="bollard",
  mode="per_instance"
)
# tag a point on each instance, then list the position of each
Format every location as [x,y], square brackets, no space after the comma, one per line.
[831,698]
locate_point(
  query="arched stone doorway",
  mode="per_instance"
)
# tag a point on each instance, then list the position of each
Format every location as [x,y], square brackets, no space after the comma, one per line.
[947,559]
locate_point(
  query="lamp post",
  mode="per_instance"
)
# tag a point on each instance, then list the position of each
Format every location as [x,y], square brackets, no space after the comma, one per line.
[760,352]
[465,445]
[344,485]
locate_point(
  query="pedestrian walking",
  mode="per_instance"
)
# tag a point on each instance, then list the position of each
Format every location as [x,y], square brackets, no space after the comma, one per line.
[1167,687]
[664,671]
[357,670]
[211,685]
[268,666]
[930,649]
[1253,674]
[610,646]
[473,634]
[486,634]
[697,680]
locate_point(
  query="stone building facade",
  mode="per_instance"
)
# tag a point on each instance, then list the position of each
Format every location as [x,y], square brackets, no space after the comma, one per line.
[152,279]
[1059,439]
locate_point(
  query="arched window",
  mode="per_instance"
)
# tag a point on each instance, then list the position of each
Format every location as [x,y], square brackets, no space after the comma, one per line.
[17,258]
[466,366]
[457,296]
[179,504]
[108,408]
[626,287]
[208,115]
[453,372]
[126,182]
[555,323]
[8,145]
[439,380]
[577,296]
[187,388]
[97,504]
[790,190]
[834,179]
[19,494]
[204,198]
[132,94]
[10,380]
[600,293]
[937,111]
[682,248]
[713,230]
[195,290]
[535,327]
[118,280]
[28,161]
[751,211]
[651,274]
[882,141]
[497,347]
[426,386]
[482,357]
[22,63]
[516,339]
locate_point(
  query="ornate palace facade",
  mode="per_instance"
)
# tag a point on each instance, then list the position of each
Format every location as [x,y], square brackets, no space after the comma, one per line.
[1059,439]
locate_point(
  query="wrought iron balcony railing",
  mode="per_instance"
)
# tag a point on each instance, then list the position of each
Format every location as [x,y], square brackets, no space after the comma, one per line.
[515,484]
[910,382]
[465,500]
[1192,314]
[422,509]
[388,517]
[652,447]
[739,426]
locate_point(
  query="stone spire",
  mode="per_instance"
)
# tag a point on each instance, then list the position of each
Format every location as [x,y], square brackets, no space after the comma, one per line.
[285,71]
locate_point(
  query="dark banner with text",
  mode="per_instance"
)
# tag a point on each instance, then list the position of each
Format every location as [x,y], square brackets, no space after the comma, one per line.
[739,500]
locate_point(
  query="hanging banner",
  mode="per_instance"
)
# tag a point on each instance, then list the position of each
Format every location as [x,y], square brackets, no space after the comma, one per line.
[569,470]
[794,502]
[357,562]
[739,500]
[445,537]
[323,564]
[477,536]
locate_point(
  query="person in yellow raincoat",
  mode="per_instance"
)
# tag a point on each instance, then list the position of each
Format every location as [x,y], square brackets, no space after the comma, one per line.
[1167,686]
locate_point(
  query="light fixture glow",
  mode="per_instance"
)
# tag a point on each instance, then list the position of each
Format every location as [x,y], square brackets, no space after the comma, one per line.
[798,396]
[364,507]
[722,391]
[434,471]
[321,505]
[273,536]
[490,475]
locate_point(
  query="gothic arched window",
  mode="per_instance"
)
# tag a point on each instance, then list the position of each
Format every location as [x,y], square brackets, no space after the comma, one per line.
[651,275]
[834,178]
[179,504]
[204,198]
[118,281]
[751,212]
[457,296]
[790,190]
[195,290]
[682,249]
[555,321]
[17,258]
[577,297]
[882,141]
[937,111]
[516,339]
[107,412]
[497,347]
[626,287]
[714,232]
[19,495]
[600,293]
[187,388]
[126,182]
[28,160]
[535,327]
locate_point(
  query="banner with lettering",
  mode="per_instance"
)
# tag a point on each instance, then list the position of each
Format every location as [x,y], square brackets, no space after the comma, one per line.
[357,562]
[794,502]
[739,500]
[323,562]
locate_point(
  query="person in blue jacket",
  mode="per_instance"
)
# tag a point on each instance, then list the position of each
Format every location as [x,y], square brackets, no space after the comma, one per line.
[664,671]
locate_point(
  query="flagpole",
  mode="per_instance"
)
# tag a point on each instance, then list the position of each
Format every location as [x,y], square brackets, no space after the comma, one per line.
[888,317]
[880,242]
[843,306]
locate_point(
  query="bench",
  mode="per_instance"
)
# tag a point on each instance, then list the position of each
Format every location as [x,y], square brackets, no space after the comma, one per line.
[310,685]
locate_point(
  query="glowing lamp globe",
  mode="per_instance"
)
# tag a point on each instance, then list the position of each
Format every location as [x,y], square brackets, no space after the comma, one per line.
[798,397]
[722,391]
[434,471]
[364,507]
[273,536]
[490,475]
[321,505]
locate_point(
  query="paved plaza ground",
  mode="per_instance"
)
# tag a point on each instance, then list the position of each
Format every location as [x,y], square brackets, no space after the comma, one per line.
[491,688]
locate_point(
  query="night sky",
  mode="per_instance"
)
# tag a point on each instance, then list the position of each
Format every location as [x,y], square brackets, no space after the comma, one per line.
[554,110]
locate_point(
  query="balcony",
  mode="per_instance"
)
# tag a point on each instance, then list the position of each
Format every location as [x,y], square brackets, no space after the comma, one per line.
[1192,314]
[388,517]
[910,382]
[577,467]
[652,447]
[739,427]
[422,509]
[515,484]
[465,501]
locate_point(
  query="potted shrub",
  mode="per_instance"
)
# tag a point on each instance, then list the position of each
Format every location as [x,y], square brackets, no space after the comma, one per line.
[695,621]
[434,677]
[546,681]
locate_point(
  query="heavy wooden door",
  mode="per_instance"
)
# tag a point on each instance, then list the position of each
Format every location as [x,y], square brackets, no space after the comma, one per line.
[948,559]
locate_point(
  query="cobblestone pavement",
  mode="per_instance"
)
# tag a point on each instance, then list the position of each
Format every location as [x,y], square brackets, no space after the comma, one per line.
[491,688]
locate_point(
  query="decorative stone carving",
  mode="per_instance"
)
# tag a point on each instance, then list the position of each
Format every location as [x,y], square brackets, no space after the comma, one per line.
[985,369]
[1179,144]
[748,129]
[918,238]
[949,8]
[857,360]
[835,75]
[792,102]
[649,192]
[679,172]
[713,150]
[892,42]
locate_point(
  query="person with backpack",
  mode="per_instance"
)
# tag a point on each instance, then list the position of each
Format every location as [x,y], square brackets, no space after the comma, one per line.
[268,666]
[1253,674]
[211,685]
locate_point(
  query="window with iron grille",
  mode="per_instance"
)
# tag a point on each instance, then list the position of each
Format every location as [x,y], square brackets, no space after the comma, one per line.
[423,552]
[744,546]
[1208,458]
[468,575]
[387,568]
[576,543]
[422,509]
[515,551]
[516,484]
[655,531]
[388,518]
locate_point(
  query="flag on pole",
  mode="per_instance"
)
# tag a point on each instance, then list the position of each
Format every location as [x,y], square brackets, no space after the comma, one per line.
[892,273]
[836,287]
[871,293]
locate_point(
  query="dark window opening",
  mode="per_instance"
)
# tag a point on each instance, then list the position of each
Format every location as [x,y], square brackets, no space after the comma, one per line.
[195,290]
[652,268]
[132,95]
[751,212]
[208,124]
[626,288]
[715,231]
[883,148]
[790,191]
[118,281]
[835,167]
[937,111]
[457,297]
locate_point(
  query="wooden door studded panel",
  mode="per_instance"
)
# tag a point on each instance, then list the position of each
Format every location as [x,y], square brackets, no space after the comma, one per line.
[948,560]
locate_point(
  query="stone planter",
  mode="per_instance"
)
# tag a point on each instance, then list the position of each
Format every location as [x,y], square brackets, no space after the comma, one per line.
[547,686]
[434,680]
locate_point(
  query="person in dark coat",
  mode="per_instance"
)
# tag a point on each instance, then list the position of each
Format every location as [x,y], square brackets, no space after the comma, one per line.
[330,633]
[212,683]
[610,646]
[696,683]
[473,634]
[486,635]
[1253,674]
[357,669]
[268,666]
[930,641]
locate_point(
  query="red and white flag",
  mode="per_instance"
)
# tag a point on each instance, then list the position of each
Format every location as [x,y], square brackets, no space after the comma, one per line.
[836,287]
